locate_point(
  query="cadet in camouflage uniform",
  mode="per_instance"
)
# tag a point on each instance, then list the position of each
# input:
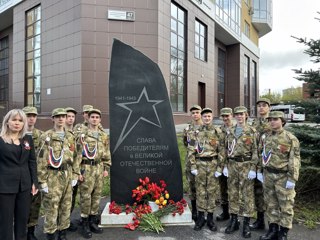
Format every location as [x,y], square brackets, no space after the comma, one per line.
[57,173]
[262,126]
[71,117]
[226,115]
[188,134]
[281,163]
[206,156]
[32,113]
[93,149]
[241,168]
[78,127]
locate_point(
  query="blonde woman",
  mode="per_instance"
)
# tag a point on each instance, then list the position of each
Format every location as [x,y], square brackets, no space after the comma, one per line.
[18,175]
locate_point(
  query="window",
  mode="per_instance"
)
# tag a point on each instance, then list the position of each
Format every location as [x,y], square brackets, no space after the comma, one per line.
[178,59]
[246,29]
[4,72]
[228,12]
[246,71]
[33,57]
[200,40]
[254,87]
[261,9]
[221,77]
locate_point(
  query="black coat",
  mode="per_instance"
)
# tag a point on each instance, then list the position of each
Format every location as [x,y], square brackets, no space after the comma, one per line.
[17,174]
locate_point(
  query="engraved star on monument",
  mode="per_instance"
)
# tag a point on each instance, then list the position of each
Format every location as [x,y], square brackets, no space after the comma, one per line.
[137,113]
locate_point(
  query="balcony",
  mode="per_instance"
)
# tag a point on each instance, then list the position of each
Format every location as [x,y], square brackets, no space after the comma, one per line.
[262,16]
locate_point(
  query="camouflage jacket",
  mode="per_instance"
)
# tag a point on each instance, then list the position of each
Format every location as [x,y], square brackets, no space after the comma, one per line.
[225,130]
[94,146]
[79,127]
[262,126]
[244,146]
[281,151]
[206,142]
[50,139]
[36,133]
[189,133]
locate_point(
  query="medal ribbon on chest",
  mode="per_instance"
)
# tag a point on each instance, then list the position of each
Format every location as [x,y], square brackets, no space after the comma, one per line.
[231,147]
[86,152]
[199,148]
[266,157]
[55,161]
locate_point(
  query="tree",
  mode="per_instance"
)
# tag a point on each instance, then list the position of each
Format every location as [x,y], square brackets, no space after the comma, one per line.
[292,94]
[274,97]
[312,77]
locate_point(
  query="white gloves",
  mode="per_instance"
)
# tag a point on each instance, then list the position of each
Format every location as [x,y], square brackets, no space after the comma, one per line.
[74,182]
[252,175]
[45,190]
[225,171]
[290,185]
[260,177]
[194,172]
[217,174]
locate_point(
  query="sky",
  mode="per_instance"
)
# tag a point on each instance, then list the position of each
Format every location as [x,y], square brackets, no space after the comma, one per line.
[279,52]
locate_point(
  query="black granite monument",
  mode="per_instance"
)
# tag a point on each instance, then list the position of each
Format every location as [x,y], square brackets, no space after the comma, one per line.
[142,133]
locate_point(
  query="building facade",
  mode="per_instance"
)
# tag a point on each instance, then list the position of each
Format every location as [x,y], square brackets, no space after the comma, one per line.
[56,53]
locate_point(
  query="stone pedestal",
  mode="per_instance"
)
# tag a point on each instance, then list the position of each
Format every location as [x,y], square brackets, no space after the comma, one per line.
[115,220]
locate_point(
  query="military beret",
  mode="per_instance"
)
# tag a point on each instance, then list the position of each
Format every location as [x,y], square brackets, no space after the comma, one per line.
[276,114]
[70,109]
[58,111]
[86,108]
[225,111]
[266,100]
[30,110]
[195,107]
[240,109]
[206,110]
[94,111]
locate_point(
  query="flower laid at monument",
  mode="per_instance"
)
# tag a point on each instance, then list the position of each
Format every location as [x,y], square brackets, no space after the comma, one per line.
[145,218]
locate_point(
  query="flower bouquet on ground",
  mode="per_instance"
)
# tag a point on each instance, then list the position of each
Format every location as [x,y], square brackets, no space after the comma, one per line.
[144,218]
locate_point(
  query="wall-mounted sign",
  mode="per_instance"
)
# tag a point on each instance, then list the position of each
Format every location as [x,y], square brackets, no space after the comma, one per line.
[121,15]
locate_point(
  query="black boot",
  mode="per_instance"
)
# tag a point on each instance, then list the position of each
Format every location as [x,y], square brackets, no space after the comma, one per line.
[86,232]
[194,210]
[30,234]
[62,235]
[246,233]
[259,223]
[210,222]
[233,224]
[51,236]
[200,221]
[283,233]
[225,213]
[93,222]
[272,233]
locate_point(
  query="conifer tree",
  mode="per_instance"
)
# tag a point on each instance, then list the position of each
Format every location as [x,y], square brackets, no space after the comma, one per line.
[312,76]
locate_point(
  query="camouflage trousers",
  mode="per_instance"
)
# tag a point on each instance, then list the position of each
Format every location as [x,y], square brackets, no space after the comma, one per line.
[191,180]
[240,189]
[223,181]
[91,189]
[206,185]
[57,202]
[34,209]
[279,200]
[258,196]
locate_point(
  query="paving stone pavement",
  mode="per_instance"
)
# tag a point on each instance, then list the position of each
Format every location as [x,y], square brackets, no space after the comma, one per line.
[299,232]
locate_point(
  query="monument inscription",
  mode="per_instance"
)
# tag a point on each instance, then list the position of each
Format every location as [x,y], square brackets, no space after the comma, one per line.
[142,132]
